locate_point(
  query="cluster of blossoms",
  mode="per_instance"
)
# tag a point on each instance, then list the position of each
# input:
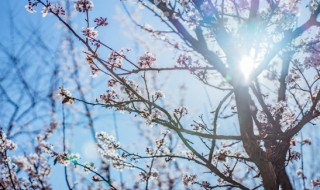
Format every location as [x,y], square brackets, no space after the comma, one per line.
[100,22]
[150,151]
[112,82]
[109,96]
[160,142]
[313,5]
[285,21]
[289,6]
[221,181]
[89,166]
[131,93]
[90,33]
[163,151]
[193,18]
[189,179]
[108,141]
[293,78]
[205,184]
[207,9]
[115,59]
[6,174]
[151,117]
[30,6]
[189,155]
[281,109]
[67,96]
[94,69]
[147,60]
[43,146]
[158,95]
[288,118]
[157,35]
[53,126]
[129,90]
[61,158]
[197,126]
[34,165]
[6,144]
[262,117]
[313,60]
[55,8]
[185,3]
[37,167]
[315,182]
[180,111]
[64,92]
[184,60]
[221,156]
[306,141]
[83,5]
[294,155]
[301,174]
[108,148]
[65,159]
[153,174]
[148,28]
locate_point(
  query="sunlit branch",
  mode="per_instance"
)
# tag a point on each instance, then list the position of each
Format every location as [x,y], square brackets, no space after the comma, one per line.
[289,37]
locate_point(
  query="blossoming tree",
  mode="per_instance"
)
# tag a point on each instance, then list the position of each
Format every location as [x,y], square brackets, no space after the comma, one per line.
[261,60]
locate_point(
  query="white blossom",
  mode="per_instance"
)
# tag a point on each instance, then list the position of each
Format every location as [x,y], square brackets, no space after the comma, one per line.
[83,5]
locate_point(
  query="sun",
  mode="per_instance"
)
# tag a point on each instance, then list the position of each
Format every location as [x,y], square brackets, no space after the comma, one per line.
[248,64]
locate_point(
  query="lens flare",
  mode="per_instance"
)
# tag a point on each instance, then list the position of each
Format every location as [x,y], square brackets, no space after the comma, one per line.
[248,64]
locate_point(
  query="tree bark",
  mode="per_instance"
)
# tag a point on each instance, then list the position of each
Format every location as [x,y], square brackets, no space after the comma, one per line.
[251,146]
[283,180]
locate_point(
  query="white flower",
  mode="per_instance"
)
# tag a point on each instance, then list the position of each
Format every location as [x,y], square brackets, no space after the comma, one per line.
[299,173]
[180,111]
[64,92]
[22,162]
[67,96]
[89,166]
[262,117]
[64,159]
[45,11]
[306,141]
[30,9]
[83,5]
[188,179]
[148,27]
[147,60]
[154,174]
[159,94]
[197,127]
[315,182]
[313,5]
[90,32]
[6,144]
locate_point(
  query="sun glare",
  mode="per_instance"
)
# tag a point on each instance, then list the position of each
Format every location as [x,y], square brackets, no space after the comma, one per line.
[248,64]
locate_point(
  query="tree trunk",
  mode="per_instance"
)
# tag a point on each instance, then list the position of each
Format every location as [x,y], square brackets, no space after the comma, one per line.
[283,180]
[266,168]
